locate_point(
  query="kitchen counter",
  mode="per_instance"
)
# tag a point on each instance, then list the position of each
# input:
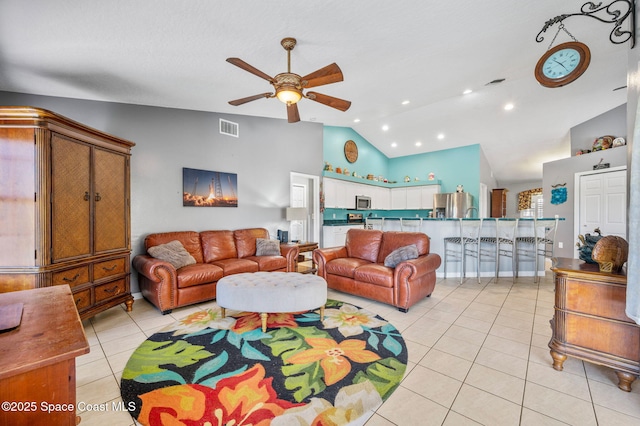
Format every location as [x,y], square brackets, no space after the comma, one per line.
[439,228]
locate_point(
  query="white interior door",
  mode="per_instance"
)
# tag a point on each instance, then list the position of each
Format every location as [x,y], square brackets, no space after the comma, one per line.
[603,203]
[298,231]
[305,192]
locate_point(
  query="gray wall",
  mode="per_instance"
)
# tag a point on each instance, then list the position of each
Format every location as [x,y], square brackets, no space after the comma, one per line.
[514,188]
[612,122]
[169,139]
[563,171]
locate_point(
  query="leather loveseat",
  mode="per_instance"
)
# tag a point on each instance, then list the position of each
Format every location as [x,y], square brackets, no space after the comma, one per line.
[358,267]
[216,254]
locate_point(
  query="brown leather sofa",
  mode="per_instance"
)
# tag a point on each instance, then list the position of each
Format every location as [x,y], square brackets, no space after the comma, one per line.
[217,254]
[358,267]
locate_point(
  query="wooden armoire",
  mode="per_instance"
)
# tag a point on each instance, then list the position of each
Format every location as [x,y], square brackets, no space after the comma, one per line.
[64,208]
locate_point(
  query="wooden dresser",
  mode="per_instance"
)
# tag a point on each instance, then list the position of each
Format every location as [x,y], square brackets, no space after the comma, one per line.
[38,359]
[590,321]
[65,208]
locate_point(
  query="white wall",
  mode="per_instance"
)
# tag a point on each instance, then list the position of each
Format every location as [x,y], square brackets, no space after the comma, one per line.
[169,139]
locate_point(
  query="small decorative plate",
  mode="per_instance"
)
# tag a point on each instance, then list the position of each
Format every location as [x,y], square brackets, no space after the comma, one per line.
[619,142]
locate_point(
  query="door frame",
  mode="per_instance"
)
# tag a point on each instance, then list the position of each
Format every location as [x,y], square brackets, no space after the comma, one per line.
[314,196]
[576,198]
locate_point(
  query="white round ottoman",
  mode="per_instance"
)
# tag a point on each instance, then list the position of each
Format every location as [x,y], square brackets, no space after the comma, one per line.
[271,292]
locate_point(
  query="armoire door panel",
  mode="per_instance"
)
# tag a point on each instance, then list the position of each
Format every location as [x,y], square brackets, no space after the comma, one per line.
[71,199]
[17,207]
[110,226]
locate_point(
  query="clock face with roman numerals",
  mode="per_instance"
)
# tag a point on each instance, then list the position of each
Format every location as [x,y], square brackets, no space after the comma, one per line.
[563,64]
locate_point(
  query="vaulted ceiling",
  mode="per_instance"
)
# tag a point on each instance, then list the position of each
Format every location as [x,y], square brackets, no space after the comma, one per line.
[171,53]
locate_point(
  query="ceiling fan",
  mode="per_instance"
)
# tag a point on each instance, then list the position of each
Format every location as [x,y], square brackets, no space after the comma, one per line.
[288,86]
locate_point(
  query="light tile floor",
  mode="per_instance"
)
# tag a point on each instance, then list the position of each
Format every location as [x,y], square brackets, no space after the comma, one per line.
[477,355]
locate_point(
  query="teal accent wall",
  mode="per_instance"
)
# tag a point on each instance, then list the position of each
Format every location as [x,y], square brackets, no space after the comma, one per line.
[370,160]
[451,167]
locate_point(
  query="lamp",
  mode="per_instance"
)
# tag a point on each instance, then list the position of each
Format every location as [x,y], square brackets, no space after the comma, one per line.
[296,213]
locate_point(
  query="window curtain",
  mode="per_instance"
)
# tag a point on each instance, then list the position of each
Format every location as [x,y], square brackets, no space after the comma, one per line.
[524,198]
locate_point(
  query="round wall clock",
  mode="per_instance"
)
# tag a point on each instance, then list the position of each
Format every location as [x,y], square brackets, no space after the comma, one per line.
[351,151]
[563,64]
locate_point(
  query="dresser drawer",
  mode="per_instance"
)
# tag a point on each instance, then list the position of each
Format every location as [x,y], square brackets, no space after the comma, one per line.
[82,299]
[108,268]
[110,289]
[74,277]
[599,299]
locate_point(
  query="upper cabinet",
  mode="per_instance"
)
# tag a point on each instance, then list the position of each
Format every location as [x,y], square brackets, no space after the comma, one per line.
[341,194]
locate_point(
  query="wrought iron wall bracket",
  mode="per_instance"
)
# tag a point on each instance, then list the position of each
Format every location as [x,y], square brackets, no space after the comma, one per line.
[616,12]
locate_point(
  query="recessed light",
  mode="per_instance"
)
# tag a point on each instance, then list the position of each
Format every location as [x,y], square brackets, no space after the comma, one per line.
[440,136]
[393,144]
[466,92]
[508,107]
[357,120]
[418,143]
[385,128]
[406,102]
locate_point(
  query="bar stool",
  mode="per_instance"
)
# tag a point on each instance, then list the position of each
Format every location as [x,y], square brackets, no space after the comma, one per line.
[411,224]
[374,223]
[502,245]
[542,243]
[456,249]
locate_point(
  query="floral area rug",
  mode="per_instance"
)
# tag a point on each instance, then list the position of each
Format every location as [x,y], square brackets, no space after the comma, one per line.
[209,370]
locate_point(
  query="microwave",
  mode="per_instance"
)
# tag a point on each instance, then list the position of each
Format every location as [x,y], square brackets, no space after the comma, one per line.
[363,202]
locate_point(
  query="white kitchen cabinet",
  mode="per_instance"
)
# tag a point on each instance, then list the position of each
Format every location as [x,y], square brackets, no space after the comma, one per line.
[341,194]
[381,198]
[414,198]
[334,236]
[427,192]
[398,198]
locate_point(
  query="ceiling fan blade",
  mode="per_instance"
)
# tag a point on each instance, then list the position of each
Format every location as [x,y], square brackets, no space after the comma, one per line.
[245,66]
[327,75]
[293,115]
[336,103]
[250,98]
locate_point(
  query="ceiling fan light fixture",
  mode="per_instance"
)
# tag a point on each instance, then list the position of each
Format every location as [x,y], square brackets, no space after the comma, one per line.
[288,95]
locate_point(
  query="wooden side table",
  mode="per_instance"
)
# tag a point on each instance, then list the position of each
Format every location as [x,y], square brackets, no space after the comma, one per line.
[590,321]
[38,358]
[305,248]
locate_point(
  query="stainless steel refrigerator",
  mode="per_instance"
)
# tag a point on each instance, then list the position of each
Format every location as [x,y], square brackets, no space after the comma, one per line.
[452,204]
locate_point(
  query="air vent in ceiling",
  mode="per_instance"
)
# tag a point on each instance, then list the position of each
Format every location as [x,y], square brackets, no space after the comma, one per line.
[229,128]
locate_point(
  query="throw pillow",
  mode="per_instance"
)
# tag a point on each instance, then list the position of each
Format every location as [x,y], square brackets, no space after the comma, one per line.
[400,255]
[265,247]
[172,252]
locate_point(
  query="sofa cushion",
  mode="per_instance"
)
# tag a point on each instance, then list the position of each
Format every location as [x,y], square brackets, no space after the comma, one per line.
[266,247]
[190,240]
[363,243]
[393,240]
[246,240]
[400,255]
[172,252]
[236,266]
[218,245]
[375,273]
[269,263]
[344,266]
[197,274]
